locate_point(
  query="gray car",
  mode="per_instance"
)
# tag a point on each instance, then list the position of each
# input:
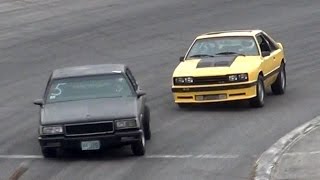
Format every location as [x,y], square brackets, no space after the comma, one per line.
[93,107]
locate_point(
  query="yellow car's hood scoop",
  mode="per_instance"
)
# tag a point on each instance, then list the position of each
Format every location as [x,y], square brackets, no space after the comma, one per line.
[218,61]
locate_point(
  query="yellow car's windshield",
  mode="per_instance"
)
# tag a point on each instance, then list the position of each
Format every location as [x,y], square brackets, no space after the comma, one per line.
[210,47]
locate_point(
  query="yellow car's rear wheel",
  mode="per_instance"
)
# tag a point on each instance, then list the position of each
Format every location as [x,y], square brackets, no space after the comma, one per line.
[279,86]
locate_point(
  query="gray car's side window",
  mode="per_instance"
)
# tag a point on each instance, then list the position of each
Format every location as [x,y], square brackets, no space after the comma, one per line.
[132,79]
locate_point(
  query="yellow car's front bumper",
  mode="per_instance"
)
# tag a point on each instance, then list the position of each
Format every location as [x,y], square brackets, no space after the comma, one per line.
[206,94]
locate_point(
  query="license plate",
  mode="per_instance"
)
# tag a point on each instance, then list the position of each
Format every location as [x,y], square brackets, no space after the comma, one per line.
[211,97]
[90,145]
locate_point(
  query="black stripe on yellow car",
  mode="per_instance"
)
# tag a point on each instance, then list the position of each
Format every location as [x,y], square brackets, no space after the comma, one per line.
[215,88]
[271,73]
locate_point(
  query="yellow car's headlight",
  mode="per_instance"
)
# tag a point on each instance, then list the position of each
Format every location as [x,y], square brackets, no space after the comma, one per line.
[182,80]
[239,77]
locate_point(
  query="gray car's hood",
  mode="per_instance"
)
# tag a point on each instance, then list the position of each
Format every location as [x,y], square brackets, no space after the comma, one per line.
[89,110]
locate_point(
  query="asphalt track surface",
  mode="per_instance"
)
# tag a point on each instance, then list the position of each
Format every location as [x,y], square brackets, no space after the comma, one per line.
[219,142]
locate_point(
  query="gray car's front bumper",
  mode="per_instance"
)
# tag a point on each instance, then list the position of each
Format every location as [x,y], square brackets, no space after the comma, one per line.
[118,138]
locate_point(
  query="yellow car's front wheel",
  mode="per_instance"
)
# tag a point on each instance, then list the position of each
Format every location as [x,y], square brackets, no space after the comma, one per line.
[258,101]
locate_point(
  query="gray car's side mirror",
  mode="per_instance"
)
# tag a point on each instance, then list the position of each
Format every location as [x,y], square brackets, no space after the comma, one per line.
[140,93]
[38,102]
[181,58]
[265,53]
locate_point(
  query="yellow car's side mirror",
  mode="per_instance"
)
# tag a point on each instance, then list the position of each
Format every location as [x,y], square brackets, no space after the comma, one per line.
[280,45]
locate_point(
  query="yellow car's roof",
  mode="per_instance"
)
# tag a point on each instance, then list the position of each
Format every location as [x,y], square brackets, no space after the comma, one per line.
[229,33]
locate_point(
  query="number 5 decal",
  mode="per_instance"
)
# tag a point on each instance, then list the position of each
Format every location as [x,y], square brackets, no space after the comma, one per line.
[57,88]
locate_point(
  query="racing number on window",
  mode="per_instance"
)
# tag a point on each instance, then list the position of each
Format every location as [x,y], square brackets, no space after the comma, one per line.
[57,89]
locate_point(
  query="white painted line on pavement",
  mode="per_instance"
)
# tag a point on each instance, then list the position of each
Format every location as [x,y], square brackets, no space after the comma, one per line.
[155,156]
[20,157]
[189,156]
[168,156]
[301,153]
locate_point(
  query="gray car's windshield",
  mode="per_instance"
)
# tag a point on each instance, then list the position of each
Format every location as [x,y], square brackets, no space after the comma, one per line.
[89,87]
[210,47]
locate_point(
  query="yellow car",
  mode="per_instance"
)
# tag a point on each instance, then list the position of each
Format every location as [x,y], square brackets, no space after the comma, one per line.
[228,66]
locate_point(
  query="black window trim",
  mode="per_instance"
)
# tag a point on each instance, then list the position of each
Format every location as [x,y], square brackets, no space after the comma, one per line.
[270,41]
[131,78]
[261,34]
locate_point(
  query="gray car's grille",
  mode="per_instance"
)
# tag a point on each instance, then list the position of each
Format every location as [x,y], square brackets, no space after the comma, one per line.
[89,128]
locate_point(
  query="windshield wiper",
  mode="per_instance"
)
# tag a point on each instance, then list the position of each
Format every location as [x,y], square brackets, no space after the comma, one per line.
[230,53]
[201,55]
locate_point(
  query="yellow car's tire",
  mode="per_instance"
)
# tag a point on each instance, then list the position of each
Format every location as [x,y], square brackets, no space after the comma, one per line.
[279,86]
[258,101]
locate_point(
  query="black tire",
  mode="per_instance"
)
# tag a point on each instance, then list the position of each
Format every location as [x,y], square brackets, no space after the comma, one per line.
[146,123]
[49,152]
[258,101]
[279,86]
[139,148]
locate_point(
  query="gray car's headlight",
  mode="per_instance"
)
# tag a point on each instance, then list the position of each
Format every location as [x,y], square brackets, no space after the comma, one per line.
[183,80]
[126,123]
[51,130]
[238,77]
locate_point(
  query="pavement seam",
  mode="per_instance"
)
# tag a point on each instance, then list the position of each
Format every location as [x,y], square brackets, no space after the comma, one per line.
[264,166]
[23,167]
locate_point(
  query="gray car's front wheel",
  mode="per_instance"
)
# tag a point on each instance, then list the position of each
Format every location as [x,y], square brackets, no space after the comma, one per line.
[146,123]
[49,152]
[139,148]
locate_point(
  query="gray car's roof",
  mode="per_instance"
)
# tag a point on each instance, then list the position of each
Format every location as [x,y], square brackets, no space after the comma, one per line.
[88,70]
